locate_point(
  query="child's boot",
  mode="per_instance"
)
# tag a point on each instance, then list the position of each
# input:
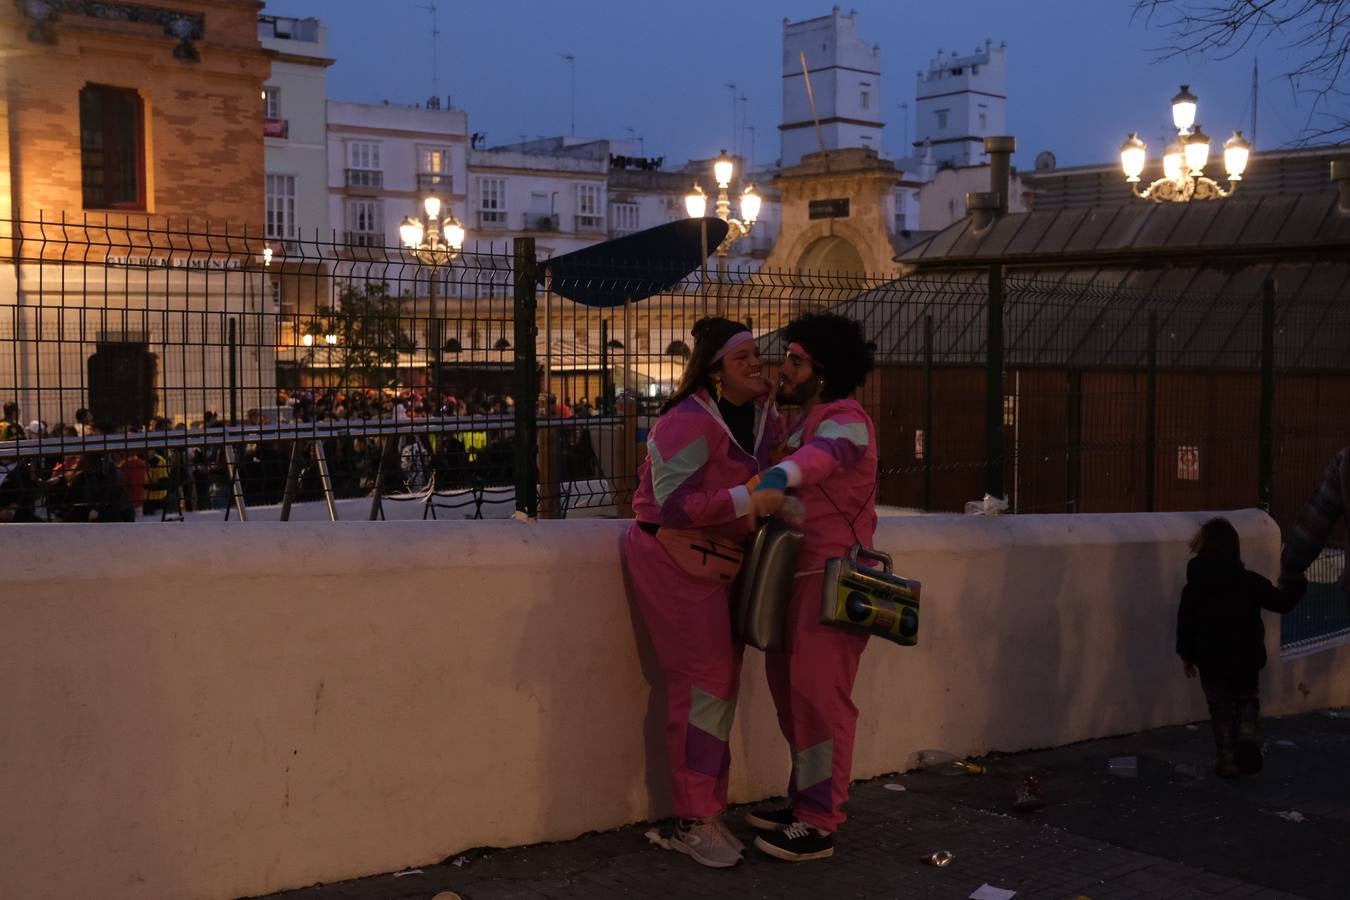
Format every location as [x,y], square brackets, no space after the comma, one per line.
[1225,763]
[1247,752]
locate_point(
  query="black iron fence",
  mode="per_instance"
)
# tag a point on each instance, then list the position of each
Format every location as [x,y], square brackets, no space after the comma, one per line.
[263,372]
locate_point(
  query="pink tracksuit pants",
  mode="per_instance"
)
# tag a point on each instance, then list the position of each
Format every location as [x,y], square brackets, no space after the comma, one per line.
[811,680]
[689,621]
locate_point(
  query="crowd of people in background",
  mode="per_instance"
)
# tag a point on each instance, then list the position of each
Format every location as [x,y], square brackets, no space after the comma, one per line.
[337,404]
[191,472]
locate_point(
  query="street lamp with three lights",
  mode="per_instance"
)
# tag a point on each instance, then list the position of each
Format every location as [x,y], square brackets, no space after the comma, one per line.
[696,204]
[435,242]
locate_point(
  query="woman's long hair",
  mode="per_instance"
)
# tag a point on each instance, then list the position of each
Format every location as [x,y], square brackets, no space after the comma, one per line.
[710,334]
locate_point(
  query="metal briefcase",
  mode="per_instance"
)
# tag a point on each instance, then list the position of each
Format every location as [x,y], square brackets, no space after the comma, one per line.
[877,602]
[764,590]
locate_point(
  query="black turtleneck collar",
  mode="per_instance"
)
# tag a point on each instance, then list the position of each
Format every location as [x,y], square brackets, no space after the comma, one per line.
[741,421]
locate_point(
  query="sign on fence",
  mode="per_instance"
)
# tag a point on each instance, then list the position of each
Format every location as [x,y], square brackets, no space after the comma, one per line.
[1188,463]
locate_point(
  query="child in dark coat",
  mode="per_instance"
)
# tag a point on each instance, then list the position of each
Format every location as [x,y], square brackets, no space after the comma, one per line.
[1220,634]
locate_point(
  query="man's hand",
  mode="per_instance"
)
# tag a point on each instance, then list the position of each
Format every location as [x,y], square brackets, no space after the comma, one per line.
[1189,669]
[766,502]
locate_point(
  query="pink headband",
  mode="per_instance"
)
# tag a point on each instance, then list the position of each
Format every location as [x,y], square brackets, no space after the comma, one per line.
[732,343]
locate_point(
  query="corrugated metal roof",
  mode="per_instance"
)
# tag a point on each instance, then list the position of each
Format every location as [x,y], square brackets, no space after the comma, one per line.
[1205,317]
[1261,223]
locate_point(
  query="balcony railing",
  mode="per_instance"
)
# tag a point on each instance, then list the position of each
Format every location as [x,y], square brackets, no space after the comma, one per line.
[364,238]
[365,178]
[437,182]
[540,221]
[589,223]
[492,219]
[276,128]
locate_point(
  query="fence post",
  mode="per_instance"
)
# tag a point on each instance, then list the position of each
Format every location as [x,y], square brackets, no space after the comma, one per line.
[928,412]
[993,386]
[1151,415]
[1266,449]
[525,380]
[606,404]
[234,374]
[1073,457]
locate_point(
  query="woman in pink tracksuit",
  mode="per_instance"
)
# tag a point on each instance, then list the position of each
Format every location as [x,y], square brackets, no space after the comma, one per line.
[713,436]
[832,468]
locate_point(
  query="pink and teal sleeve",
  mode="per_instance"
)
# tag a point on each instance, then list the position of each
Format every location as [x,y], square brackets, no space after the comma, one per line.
[690,487]
[839,440]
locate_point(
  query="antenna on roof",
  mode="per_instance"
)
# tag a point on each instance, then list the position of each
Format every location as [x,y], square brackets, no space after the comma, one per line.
[1256,90]
[735,151]
[571,60]
[435,35]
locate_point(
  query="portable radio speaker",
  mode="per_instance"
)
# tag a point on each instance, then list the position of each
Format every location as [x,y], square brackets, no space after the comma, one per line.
[877,602]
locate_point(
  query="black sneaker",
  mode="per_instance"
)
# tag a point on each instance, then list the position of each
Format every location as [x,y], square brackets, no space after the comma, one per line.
[770,819]
[797,842]
[1247,754]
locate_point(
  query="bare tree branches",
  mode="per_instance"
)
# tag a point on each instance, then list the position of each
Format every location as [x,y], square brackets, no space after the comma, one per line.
[1316,31]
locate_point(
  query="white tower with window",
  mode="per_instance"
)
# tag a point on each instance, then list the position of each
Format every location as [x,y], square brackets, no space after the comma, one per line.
[961,100]
[846,78]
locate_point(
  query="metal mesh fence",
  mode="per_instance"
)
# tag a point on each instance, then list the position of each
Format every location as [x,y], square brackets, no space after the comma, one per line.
[204,368]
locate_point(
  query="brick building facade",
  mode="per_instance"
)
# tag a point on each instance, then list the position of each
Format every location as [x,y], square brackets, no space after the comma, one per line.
[131,187]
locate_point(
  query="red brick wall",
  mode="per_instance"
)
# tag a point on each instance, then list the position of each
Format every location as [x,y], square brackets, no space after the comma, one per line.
[203,133]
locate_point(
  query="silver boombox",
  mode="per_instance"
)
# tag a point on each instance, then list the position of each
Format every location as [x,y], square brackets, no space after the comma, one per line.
[877,602]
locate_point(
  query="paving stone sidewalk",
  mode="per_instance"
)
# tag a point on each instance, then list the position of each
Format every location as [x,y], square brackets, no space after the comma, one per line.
[1173,830]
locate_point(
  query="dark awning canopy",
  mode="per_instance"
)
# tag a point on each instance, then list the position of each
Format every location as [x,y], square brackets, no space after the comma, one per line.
[635,266]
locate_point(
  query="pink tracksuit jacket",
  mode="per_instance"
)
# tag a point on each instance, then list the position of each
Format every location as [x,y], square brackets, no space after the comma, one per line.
[832,468]
[694,477]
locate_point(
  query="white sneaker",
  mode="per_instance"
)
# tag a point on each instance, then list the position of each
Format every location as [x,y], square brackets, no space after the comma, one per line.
[706,840]
[729,834]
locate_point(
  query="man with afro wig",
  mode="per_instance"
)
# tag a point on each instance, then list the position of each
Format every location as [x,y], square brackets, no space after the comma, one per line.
[831,465]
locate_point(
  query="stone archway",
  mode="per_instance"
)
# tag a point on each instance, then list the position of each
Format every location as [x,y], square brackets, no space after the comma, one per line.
[838,209]
[831,254]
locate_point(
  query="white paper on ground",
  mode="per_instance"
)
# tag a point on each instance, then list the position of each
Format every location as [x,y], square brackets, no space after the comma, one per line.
[989,892]
[892,786]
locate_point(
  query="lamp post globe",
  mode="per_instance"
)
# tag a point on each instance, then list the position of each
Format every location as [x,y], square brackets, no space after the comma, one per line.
[1197,151]
[1235,152]
[723,169]
[1132,156]
[1183,109]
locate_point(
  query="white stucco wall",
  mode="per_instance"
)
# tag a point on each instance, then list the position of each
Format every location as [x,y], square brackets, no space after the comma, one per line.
[224,710]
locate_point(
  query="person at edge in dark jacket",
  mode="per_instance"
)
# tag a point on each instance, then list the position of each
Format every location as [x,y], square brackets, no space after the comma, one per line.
[1316,523]
[1221,637]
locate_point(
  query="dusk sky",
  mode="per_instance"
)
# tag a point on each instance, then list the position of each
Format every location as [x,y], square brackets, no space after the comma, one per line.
[1081,73]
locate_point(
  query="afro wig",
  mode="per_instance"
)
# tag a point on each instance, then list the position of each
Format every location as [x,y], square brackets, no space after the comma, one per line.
[843,356]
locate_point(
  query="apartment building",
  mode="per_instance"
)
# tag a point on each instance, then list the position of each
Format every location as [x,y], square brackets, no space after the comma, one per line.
[295,144]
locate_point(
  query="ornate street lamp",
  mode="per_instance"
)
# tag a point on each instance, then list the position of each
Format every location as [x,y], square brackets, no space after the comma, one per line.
[1185,159]
[435,243]
[696,204]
